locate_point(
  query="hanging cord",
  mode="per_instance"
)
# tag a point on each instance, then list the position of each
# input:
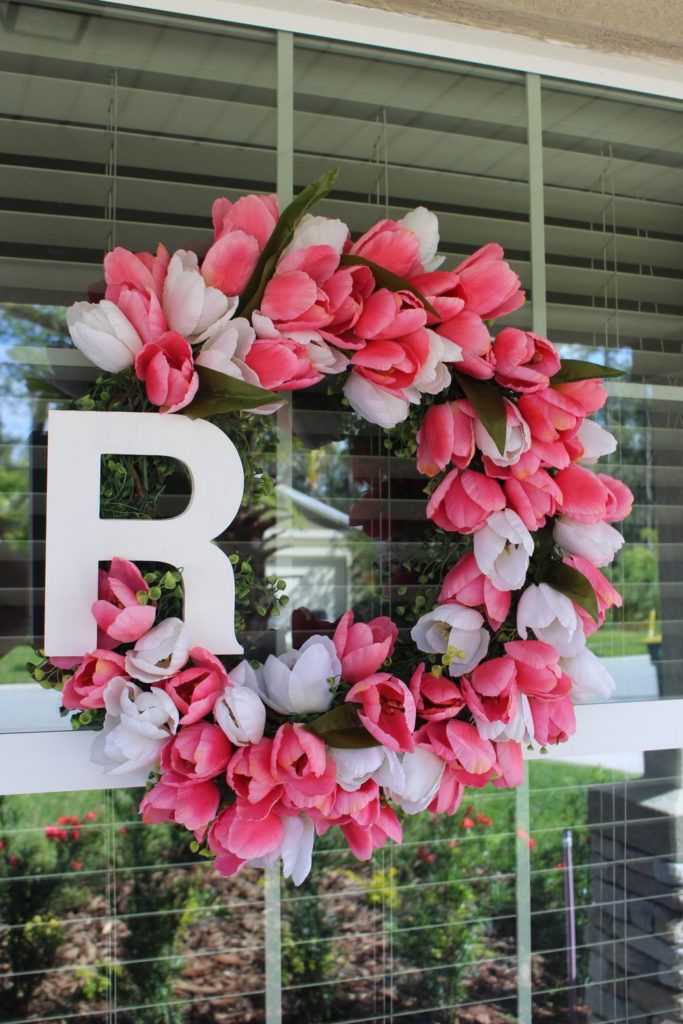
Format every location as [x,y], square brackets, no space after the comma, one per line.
[111,166]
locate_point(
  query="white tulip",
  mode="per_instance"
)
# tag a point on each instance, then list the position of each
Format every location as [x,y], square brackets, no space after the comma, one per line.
[373,403]
[454,630]
[422,771]
[241,714]
[160,653]
[315,230]
[425,225]
[590,678]
[598,543]
[355,767]
[552,617]
[517,437]
[137,725]
[502,550]
[189,304]
[299,682]
[103,334]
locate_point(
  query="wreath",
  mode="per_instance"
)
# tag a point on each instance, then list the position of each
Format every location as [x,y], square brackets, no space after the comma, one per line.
[485,650]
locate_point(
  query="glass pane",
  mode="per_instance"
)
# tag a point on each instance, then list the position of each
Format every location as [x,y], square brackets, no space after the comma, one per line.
[605,884]
[117,129]
[612,166]
[102,914]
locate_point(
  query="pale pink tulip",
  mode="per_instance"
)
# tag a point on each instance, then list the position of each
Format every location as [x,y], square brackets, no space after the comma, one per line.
[374,403]
[590,679]
[595,441]
[137,726]
[517,440]
[190,307]
[241,714]
[422,772]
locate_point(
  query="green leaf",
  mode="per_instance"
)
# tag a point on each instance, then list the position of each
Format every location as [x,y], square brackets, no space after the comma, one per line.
[487,401]
[385,278]
[573,584]
[341,727]
[573,370]
[219,393]
[281,237]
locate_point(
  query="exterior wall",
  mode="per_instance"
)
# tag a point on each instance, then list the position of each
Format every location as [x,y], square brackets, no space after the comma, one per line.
[654,29]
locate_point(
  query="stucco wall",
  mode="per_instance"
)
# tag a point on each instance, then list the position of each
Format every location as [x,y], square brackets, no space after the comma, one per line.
[651,28]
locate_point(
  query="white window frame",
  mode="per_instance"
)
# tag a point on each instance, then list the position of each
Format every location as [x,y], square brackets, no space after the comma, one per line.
[642,725]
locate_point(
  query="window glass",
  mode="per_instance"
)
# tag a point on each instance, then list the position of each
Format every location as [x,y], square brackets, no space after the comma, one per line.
[612,168]
[116,131]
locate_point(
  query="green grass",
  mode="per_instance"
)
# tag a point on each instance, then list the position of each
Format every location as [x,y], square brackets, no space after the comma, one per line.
[13,665]
[615,642]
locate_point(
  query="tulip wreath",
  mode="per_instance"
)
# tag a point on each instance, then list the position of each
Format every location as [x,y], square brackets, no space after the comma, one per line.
[258,757]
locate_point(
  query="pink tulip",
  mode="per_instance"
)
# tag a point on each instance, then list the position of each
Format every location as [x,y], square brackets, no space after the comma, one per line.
[450,793]
[584,496]
[362,647]
[510,760]
[533,497]
[491,286]
[189,802]
[388,710]
[255,215]
[554,721]
[467,330]
[537,667]
[436,697]
[243,838]
[605,593]
[550,414]
[363,841]
[167,368]
[120,616]
[491,691]
[230,262]
[525,362]
[194,691]
[393,364]
[463,501]
[347,292]
[586,395]
[470,758]
[392,245]
[443,291]
[446,435]
[85,688]
[249,773]
[135,284]
[198,751]
[301,764]
[387,314]
[619,498]
[281,364]
[466,584]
